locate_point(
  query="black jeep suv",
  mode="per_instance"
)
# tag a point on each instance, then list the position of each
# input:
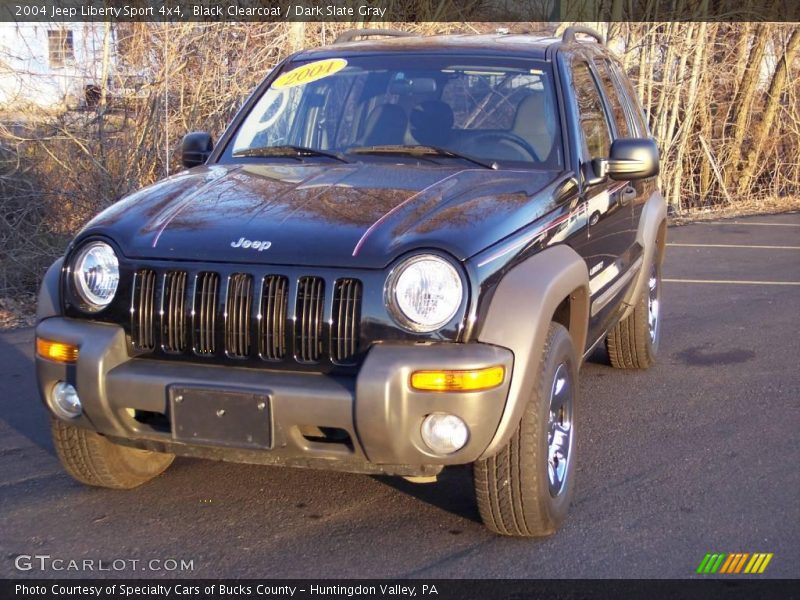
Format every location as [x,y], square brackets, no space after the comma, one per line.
[395,259]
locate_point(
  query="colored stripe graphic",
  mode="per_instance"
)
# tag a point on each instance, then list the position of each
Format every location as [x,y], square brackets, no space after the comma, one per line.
[740,564]
[758,563]
[733,563]
[711,563]
[703,563]
[727,564]
[764,564]
[717,564]
[753,564]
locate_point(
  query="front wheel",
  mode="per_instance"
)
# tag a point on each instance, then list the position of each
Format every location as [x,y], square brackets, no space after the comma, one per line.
[94,460]
[526,488]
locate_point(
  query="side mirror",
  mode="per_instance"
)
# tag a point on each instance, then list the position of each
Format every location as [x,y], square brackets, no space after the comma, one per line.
[196,148]
[631,158]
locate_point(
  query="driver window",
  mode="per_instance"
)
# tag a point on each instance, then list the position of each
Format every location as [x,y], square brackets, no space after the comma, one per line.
[593,120]
[614,103]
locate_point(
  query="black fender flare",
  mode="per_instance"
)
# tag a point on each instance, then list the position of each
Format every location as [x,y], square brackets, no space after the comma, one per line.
[48,303]
[650,235]
[519,317]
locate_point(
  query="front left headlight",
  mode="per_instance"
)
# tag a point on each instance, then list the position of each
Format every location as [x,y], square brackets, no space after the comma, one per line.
[425,292]
[95,274]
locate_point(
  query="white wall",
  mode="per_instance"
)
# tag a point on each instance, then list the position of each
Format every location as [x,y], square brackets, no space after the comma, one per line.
[26,76]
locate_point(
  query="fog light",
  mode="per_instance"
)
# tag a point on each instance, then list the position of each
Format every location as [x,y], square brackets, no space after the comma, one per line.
[64,401]
[443,433]
[57,351]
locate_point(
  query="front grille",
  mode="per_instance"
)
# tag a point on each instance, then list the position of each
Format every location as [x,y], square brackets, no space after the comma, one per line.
[173,315]
[308,329]
[143,303]
[254,317]
[237,315]
[272,326]
[346,316]
[205,313]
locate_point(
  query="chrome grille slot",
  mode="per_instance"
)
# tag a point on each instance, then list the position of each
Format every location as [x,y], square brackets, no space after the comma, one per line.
[237,315]
[272,326]
[205,313]
[142,310]
[308,325]
[173,312]
[346,320]
[281,318]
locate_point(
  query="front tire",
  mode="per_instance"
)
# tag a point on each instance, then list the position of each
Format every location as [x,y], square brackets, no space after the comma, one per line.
[526,488]
[633,342]
[94,460]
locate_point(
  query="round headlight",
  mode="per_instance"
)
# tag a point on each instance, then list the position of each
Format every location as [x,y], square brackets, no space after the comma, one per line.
[426,292]
[96,274]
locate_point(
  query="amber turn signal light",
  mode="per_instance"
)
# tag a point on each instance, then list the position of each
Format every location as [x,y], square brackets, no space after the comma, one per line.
[458,381]
[56,351]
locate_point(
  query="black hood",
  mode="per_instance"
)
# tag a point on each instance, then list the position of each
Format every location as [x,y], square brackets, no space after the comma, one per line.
[358,215]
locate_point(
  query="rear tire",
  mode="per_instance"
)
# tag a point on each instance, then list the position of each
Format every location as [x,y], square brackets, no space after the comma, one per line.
[633,342]
[94,460]
[526,488]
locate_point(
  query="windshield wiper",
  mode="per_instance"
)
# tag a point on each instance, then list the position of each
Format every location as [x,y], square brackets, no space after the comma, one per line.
[288,150]
[421,150]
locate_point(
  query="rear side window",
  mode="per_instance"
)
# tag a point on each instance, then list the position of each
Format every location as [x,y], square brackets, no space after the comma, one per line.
[639,121]
[594,124]
[614,101]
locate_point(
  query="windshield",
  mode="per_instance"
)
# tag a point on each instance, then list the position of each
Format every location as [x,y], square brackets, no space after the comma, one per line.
[436,108]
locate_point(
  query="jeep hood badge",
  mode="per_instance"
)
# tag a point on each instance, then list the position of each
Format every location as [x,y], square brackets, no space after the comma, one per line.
[252,244]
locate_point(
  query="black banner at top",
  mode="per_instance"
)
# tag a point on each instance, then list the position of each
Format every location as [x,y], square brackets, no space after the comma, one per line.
[376,11]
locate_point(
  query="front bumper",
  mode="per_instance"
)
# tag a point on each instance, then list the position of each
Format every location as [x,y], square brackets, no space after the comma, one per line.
[376,409]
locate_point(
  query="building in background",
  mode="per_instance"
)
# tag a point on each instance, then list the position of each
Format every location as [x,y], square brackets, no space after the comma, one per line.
[55,65]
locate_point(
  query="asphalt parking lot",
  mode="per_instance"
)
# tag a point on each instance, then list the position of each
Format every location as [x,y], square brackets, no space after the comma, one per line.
[699,454]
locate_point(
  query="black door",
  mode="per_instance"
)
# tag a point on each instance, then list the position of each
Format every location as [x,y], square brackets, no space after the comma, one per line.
[610,250]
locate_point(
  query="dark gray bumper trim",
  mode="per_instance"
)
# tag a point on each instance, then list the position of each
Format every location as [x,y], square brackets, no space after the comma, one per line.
[376,409]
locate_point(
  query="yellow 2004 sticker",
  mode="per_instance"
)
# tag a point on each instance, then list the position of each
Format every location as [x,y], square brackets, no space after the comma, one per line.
[310,72]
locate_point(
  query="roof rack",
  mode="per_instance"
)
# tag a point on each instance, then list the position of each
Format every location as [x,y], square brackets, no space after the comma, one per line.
[569,34]
[352,34]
